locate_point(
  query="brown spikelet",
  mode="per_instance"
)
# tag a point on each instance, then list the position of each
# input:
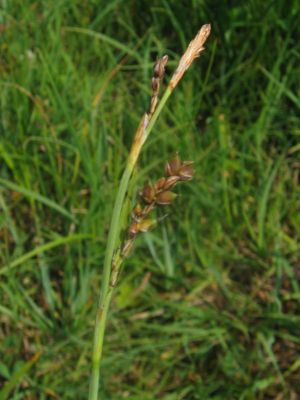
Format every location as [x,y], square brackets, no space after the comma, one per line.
[158,73]
[193,51]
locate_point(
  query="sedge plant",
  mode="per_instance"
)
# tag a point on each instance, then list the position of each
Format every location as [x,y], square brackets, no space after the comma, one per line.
[152,195]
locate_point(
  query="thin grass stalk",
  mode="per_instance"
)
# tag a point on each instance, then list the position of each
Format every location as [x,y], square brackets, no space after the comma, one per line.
[106,291]
[141,136]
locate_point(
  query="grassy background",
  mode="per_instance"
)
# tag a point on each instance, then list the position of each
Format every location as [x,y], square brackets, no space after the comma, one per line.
[208,306]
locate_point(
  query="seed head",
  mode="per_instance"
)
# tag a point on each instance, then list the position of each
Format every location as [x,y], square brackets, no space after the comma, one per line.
[146,224]
[173,166]
[171,181]
[160,184]
[148,193]
[159,67]
[137,212]
[180,170]
[155,195]
[165,198]
[186,172]
[133,229]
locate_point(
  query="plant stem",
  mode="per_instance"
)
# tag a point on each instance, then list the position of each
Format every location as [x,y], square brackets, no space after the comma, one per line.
[142,133]
[113,236]
[157,112]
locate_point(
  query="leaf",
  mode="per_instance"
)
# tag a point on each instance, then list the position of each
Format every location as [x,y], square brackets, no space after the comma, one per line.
[38,197]
[17,376]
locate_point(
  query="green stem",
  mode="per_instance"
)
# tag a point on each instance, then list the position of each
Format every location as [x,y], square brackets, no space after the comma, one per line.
[113,236]
[157,112]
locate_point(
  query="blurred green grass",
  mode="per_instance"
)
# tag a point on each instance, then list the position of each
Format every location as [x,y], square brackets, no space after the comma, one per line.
[208,305]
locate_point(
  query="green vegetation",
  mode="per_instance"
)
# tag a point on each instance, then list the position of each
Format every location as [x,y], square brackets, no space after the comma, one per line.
[208,304]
